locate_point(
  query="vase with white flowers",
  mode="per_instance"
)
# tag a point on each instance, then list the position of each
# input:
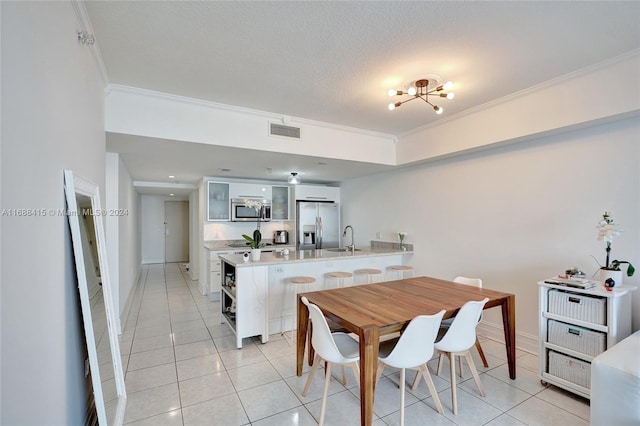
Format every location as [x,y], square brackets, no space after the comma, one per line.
[255,243]
[610,272]
[402,236]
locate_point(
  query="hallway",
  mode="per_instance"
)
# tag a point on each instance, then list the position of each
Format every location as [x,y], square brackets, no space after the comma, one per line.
[182,368]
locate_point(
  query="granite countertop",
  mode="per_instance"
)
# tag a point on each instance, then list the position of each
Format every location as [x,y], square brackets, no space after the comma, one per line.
[296,256]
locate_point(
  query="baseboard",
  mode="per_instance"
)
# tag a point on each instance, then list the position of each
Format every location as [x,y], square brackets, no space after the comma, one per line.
[525,342]
[127,307]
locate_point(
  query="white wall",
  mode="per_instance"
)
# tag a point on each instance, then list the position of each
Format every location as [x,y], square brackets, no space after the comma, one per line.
[512,215]
[123,234]
[194,235]
[52,119]
[563,103]
[145,113]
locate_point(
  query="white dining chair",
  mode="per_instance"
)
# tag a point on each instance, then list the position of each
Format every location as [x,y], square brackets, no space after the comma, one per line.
[413,349]
[475,282]
[460,337]
[334,348]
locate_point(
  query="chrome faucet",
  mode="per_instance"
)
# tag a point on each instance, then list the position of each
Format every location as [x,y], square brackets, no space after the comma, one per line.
[351,246]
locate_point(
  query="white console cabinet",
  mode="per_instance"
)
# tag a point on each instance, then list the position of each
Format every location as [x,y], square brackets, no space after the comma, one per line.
[576,325]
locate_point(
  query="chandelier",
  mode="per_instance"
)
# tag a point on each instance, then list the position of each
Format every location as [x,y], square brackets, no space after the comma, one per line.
[420,90]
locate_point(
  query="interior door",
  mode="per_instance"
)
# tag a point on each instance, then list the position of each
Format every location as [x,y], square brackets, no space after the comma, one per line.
[176,231]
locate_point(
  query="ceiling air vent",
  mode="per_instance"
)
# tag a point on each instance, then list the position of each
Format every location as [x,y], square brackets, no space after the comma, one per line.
[282,130]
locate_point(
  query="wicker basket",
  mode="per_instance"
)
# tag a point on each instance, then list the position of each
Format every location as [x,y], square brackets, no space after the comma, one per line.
[579,339]
[578,306]
[570,369]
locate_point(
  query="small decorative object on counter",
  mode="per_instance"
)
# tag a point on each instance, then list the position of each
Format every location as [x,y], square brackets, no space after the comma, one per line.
[245,256]
[611,270]
[574,272]
[609,283]
[402,236]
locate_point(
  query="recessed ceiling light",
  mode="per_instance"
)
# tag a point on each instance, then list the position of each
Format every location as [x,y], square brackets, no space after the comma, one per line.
[223,170]
[322,163]
[172,177]
[172,195]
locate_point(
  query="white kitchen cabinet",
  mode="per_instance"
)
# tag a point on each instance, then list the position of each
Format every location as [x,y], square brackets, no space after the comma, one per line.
[249,190]
[280,206]
[575,326]
[218,205]
[317,193]
[215,273]
[244,303]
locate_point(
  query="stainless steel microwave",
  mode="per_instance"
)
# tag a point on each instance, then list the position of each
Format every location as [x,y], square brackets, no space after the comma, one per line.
[240,212]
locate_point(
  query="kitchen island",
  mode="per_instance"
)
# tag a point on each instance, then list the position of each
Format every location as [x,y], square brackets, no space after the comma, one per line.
[213,277]
[253,292]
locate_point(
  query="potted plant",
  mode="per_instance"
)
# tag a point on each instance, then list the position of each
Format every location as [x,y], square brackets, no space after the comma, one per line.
[402,236]
[611,270]
[255,243]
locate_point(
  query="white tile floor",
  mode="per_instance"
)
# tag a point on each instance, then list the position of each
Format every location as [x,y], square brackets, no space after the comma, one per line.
[182,368]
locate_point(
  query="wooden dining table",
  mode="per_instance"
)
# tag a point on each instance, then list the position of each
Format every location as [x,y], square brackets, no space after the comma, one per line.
[374,310]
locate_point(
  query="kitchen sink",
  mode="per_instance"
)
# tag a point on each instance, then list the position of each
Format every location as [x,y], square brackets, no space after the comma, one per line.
[341,250]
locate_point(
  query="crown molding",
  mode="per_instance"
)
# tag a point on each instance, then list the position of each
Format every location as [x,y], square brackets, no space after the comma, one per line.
[84,24]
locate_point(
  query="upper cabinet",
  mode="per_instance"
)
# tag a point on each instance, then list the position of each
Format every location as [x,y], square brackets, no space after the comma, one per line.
[283,198]
[249,190]
[218,201]
[317,193]
[280,203]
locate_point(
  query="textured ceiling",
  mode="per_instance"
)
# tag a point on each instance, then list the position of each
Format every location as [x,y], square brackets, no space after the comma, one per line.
[334,61]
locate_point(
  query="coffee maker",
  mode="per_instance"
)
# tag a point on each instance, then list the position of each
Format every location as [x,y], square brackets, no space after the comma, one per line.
[280,237]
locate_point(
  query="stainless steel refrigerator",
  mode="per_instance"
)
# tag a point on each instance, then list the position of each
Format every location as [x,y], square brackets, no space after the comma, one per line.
[317,225]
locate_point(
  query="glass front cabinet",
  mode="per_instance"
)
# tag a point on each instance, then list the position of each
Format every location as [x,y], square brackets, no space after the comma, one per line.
[280,203]
[218,206]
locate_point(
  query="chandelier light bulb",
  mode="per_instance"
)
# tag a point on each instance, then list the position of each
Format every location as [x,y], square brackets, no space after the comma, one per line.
[392,106]
[448,85]
[450,95]
[392,92]
[438,110]
[412,91]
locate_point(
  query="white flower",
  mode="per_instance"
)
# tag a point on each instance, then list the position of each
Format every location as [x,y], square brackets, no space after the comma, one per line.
[607,229]
[253,204]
